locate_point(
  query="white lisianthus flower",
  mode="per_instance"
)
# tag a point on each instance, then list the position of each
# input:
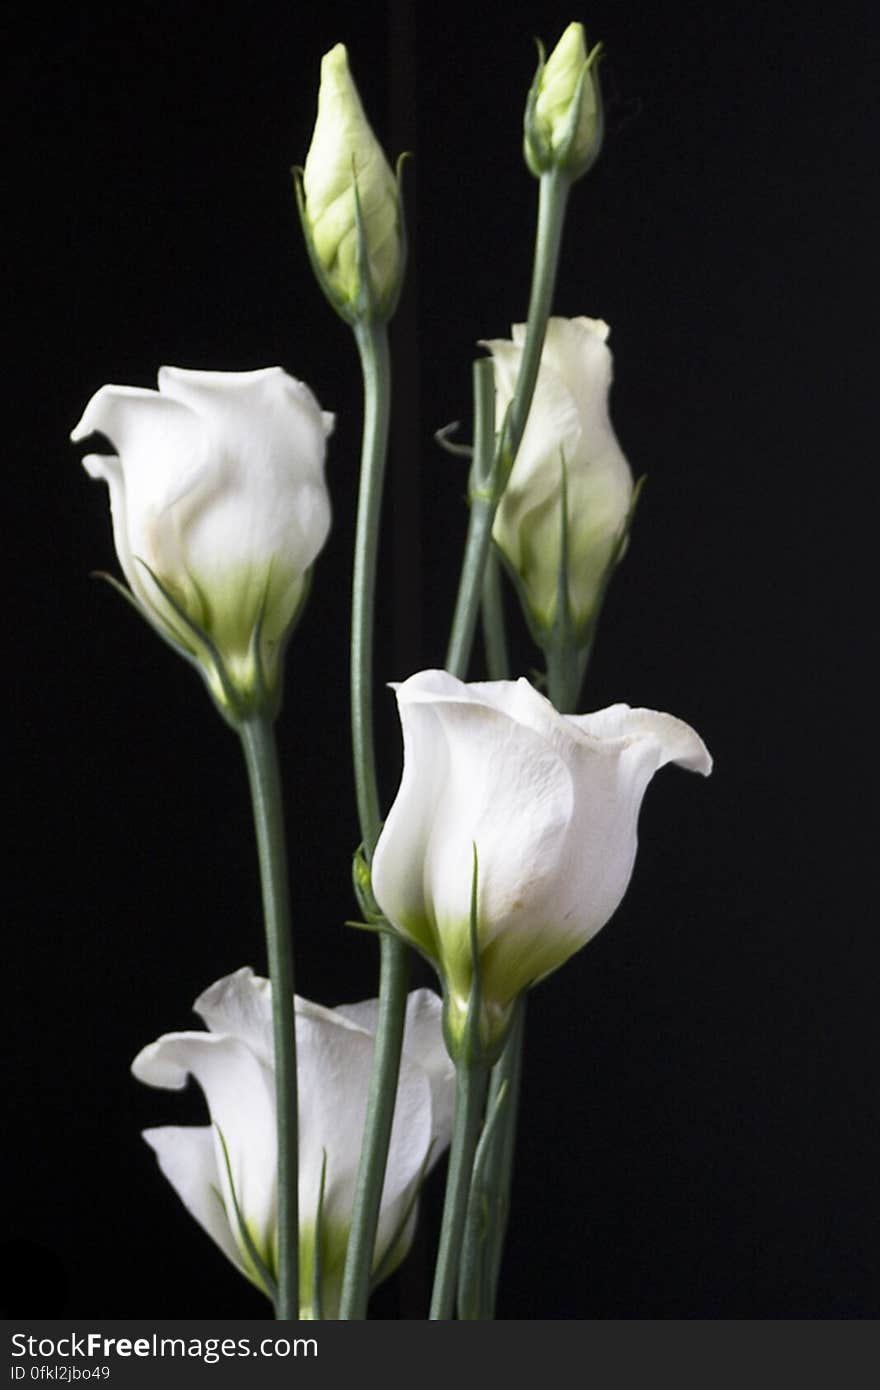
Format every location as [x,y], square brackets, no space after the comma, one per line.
[346,165]
[550,802]
[219,509]
[233,1064]
[564,124]
[568,421]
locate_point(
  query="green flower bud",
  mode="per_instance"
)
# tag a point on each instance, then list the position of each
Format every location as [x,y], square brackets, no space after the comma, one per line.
[563,125]
[350,202]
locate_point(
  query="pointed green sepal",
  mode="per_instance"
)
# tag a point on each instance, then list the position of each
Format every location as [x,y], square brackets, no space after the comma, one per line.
[260,1275]
[318,1255]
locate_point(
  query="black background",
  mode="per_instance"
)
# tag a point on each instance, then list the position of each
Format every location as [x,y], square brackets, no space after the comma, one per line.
[700,1112]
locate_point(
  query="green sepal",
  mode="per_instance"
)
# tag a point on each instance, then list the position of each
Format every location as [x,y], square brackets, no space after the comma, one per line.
[133,602]
[233,711]
[336,300]
[362,883]
[564,159]
[532,150]
[270,1287]
[317,1258]
[470,1048]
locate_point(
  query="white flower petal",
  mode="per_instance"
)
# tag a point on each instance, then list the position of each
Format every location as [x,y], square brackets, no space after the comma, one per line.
[423,1045]
[335,1061]
[162,454]
[240,1091]
[335,1051]
[241,1005]
[551,803]
[568,419]
[472,776]
[187,1157]
[270,433]
[219,490]
[675,741]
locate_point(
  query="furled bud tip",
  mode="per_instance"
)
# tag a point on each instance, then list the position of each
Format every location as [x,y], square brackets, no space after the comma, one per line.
[350,202]
[563,122]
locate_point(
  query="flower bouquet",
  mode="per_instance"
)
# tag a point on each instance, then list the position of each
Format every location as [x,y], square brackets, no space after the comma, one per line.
[512,838]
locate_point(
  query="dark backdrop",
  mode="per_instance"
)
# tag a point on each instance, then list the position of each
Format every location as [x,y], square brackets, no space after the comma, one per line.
[700,1110]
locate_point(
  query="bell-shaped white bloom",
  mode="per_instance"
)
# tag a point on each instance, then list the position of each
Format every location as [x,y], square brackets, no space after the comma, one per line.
[551,804]
[563,125]
[233,1064]
[568,423]
[346,167]
[219,509]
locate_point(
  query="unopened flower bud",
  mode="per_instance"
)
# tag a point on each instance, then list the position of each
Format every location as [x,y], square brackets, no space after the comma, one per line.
[350,201]
[563,121]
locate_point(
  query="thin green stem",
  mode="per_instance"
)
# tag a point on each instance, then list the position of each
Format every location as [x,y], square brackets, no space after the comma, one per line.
[479,535]
[566,665]
[470,1091]
[493,461]
[261,758]
[507,1073]
[491,466]
[372,341]
[552,201]
[393,980]
[494,633]
[489,1200]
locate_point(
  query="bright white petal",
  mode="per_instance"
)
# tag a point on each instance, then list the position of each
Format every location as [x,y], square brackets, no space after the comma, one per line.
[240,1005]
[675,740]
[187,1159]
[163,457]
[423,1045]
[398,861]
[240,1091]
[335,1062]
[505,359]
[412,1133]
[507,792]
[269,504]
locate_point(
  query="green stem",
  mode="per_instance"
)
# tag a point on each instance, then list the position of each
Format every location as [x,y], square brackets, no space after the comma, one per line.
[492,465]
[372,341]
[508,1070]
[393,979]
[566,665]
[470,1092]
[260,753]
[489,1200]
[479,534]
[494,634]
[552,201]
